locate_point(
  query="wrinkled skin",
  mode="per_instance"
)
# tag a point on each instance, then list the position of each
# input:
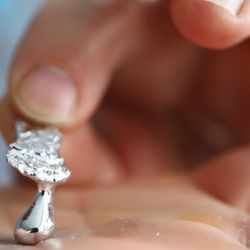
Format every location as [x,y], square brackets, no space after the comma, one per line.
[163,109]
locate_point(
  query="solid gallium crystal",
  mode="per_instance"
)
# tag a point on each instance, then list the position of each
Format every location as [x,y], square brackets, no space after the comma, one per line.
[35,155]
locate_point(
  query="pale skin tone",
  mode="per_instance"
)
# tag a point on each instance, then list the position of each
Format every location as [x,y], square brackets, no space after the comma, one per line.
[167,213]
[160,88]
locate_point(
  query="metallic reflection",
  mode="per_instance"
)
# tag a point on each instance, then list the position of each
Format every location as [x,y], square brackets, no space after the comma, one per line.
[37,222]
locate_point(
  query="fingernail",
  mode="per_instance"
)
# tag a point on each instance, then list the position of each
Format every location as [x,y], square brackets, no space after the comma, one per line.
[233,6]
[46,94]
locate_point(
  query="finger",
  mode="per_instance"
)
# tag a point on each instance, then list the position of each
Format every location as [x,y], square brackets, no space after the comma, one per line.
[227,177]
[90,158]
[87,154]
[140,149]
[146,145]
[6,119]
[212,23]
[64,63]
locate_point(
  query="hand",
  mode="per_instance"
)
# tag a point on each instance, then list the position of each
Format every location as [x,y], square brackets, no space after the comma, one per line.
[168,213]
[157,101]
[134,97]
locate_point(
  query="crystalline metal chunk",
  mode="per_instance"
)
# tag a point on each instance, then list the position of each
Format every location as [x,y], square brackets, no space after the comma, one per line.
[35,155]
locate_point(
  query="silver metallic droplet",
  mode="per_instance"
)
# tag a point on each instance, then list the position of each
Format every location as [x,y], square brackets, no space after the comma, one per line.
[35,155]
[37,223]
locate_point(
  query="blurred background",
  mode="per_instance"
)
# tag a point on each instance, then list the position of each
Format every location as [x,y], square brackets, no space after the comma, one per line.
[15,16]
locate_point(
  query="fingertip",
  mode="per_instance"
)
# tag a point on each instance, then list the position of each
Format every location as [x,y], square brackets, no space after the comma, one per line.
[64,64]
[212,23]
[46,94]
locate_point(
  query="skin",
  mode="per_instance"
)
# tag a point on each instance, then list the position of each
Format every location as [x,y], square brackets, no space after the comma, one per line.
[135,214]
[171,212]
[161,120]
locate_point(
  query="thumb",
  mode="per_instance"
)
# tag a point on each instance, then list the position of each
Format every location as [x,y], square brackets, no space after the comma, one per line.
[63,66]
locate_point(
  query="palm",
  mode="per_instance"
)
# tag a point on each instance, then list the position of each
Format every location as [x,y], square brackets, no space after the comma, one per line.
[136,215]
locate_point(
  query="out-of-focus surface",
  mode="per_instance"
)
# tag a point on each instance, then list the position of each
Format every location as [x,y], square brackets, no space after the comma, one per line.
[136,215]
[15,15]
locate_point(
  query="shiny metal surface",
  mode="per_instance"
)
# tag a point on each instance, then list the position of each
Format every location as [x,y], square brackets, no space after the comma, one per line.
[37,223]
[35,155]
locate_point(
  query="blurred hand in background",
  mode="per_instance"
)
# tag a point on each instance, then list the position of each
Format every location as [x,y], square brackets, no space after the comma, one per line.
[141,89]
[127,83]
